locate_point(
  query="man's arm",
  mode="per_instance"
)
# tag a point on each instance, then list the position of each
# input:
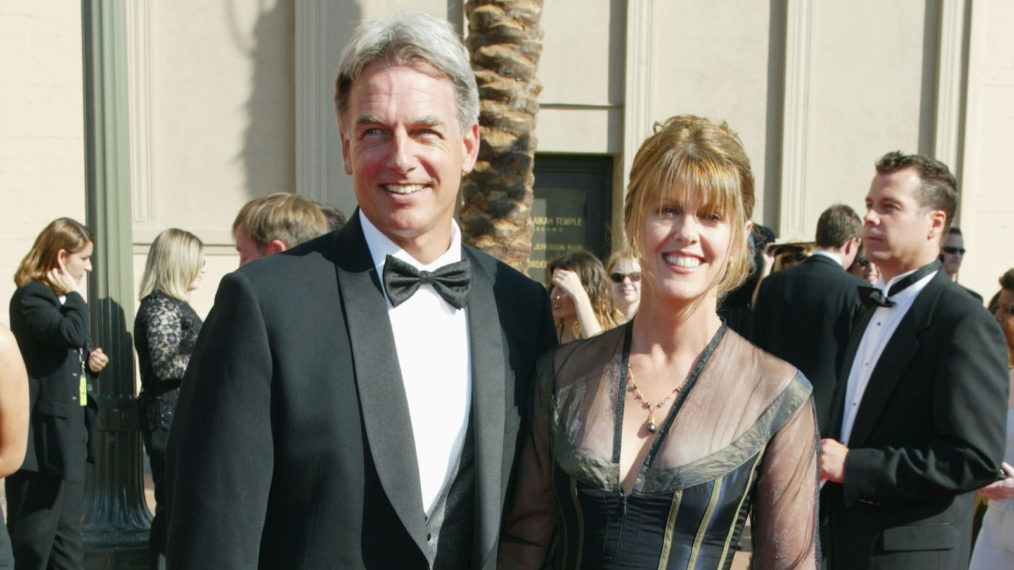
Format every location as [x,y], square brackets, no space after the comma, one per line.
[969,426]
[220,455]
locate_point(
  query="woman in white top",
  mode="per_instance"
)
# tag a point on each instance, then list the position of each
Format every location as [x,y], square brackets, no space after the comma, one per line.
[994,548]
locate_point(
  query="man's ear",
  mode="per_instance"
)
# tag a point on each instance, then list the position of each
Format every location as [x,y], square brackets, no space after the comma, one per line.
[346,160]
[938,219]
[275,246]
[470,148]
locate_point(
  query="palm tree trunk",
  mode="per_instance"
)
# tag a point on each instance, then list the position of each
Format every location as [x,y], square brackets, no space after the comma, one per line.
[505,42]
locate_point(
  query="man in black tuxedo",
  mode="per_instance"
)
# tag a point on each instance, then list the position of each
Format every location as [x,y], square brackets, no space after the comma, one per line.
[918,422]
[804,314]
[355,402]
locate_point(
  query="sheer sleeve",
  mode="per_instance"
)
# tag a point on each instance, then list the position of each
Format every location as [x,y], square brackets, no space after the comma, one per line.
[784,527]
[530,518]
[168,338]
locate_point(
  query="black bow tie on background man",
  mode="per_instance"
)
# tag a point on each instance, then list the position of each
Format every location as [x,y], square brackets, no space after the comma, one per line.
[452,281]
[874,296]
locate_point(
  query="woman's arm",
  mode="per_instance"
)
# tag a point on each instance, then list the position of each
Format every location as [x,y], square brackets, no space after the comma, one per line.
[530,516]
[163,330]
[571,284]
[13,404]
[784,528]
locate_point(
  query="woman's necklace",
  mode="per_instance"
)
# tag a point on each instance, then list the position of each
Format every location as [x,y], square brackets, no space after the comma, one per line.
[652,408]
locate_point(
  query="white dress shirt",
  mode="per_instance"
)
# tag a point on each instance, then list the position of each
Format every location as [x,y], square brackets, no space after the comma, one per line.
[878,333]
[432,343]
[827,255]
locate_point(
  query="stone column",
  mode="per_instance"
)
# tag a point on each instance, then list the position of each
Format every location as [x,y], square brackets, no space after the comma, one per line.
[116,519]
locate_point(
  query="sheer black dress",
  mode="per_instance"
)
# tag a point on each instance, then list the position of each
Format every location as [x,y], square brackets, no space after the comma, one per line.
[165,331]
[741,438]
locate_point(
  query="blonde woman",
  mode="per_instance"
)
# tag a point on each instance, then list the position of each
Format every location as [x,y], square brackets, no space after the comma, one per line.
[49,319]
[165,331]
[652,442]
[624,271]
[579,293]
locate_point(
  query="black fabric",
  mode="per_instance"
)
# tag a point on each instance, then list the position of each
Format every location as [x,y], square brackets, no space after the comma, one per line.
[452,533]
[53,339]
[452,281]
[291,444]
[913,277]
[165,332]
[929,430]
[155,445]
[804,315]
[44,518]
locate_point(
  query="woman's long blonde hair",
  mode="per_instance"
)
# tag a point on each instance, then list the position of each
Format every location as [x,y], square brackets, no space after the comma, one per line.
[174,261]
[61,234]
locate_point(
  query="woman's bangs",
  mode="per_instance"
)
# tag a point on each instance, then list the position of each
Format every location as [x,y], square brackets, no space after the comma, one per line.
[714,189]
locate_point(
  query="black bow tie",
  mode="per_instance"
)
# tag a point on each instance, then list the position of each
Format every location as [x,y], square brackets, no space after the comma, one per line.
[452,281]
[875,296]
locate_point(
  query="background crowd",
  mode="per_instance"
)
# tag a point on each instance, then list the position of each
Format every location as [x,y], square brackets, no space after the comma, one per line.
[704,373]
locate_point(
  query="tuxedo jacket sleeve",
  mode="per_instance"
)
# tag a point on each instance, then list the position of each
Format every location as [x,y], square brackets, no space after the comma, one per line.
[291,445]
[932,421]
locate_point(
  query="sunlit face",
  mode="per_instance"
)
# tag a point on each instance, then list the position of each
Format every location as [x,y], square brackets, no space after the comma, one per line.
[200,276]
[628,290]
[248,250]
[953,251]
[686,250]
[1003,315]
[79,263]
[899,233]
[406,153]
[562,304]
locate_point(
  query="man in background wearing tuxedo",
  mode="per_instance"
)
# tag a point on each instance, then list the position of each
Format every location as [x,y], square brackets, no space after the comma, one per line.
[355,401]
[919,421]
[804,314]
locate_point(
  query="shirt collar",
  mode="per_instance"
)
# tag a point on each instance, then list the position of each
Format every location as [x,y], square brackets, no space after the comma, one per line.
[827,255]
[908,292]
[381,246]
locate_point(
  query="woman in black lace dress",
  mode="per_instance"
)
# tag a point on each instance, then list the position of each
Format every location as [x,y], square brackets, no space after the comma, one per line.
[651,443]
[165,331]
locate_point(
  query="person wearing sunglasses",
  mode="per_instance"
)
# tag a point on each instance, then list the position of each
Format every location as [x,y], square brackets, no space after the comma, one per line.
[625,272]
[994,547]
[952,253]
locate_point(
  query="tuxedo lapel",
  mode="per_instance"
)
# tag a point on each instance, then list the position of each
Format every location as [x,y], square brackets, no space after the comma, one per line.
[895,360]
[488,402]
[382,397]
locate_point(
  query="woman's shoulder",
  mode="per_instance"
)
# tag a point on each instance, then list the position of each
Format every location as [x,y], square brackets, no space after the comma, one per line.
[35,289]
[767,373]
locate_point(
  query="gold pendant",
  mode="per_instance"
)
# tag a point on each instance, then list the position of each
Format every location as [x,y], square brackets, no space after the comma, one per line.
[652,426]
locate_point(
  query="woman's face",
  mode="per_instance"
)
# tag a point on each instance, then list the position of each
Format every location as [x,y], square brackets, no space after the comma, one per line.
[1003,315]
[563,306]
[628,288]
[686,249]
[200,276]
[79,263]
